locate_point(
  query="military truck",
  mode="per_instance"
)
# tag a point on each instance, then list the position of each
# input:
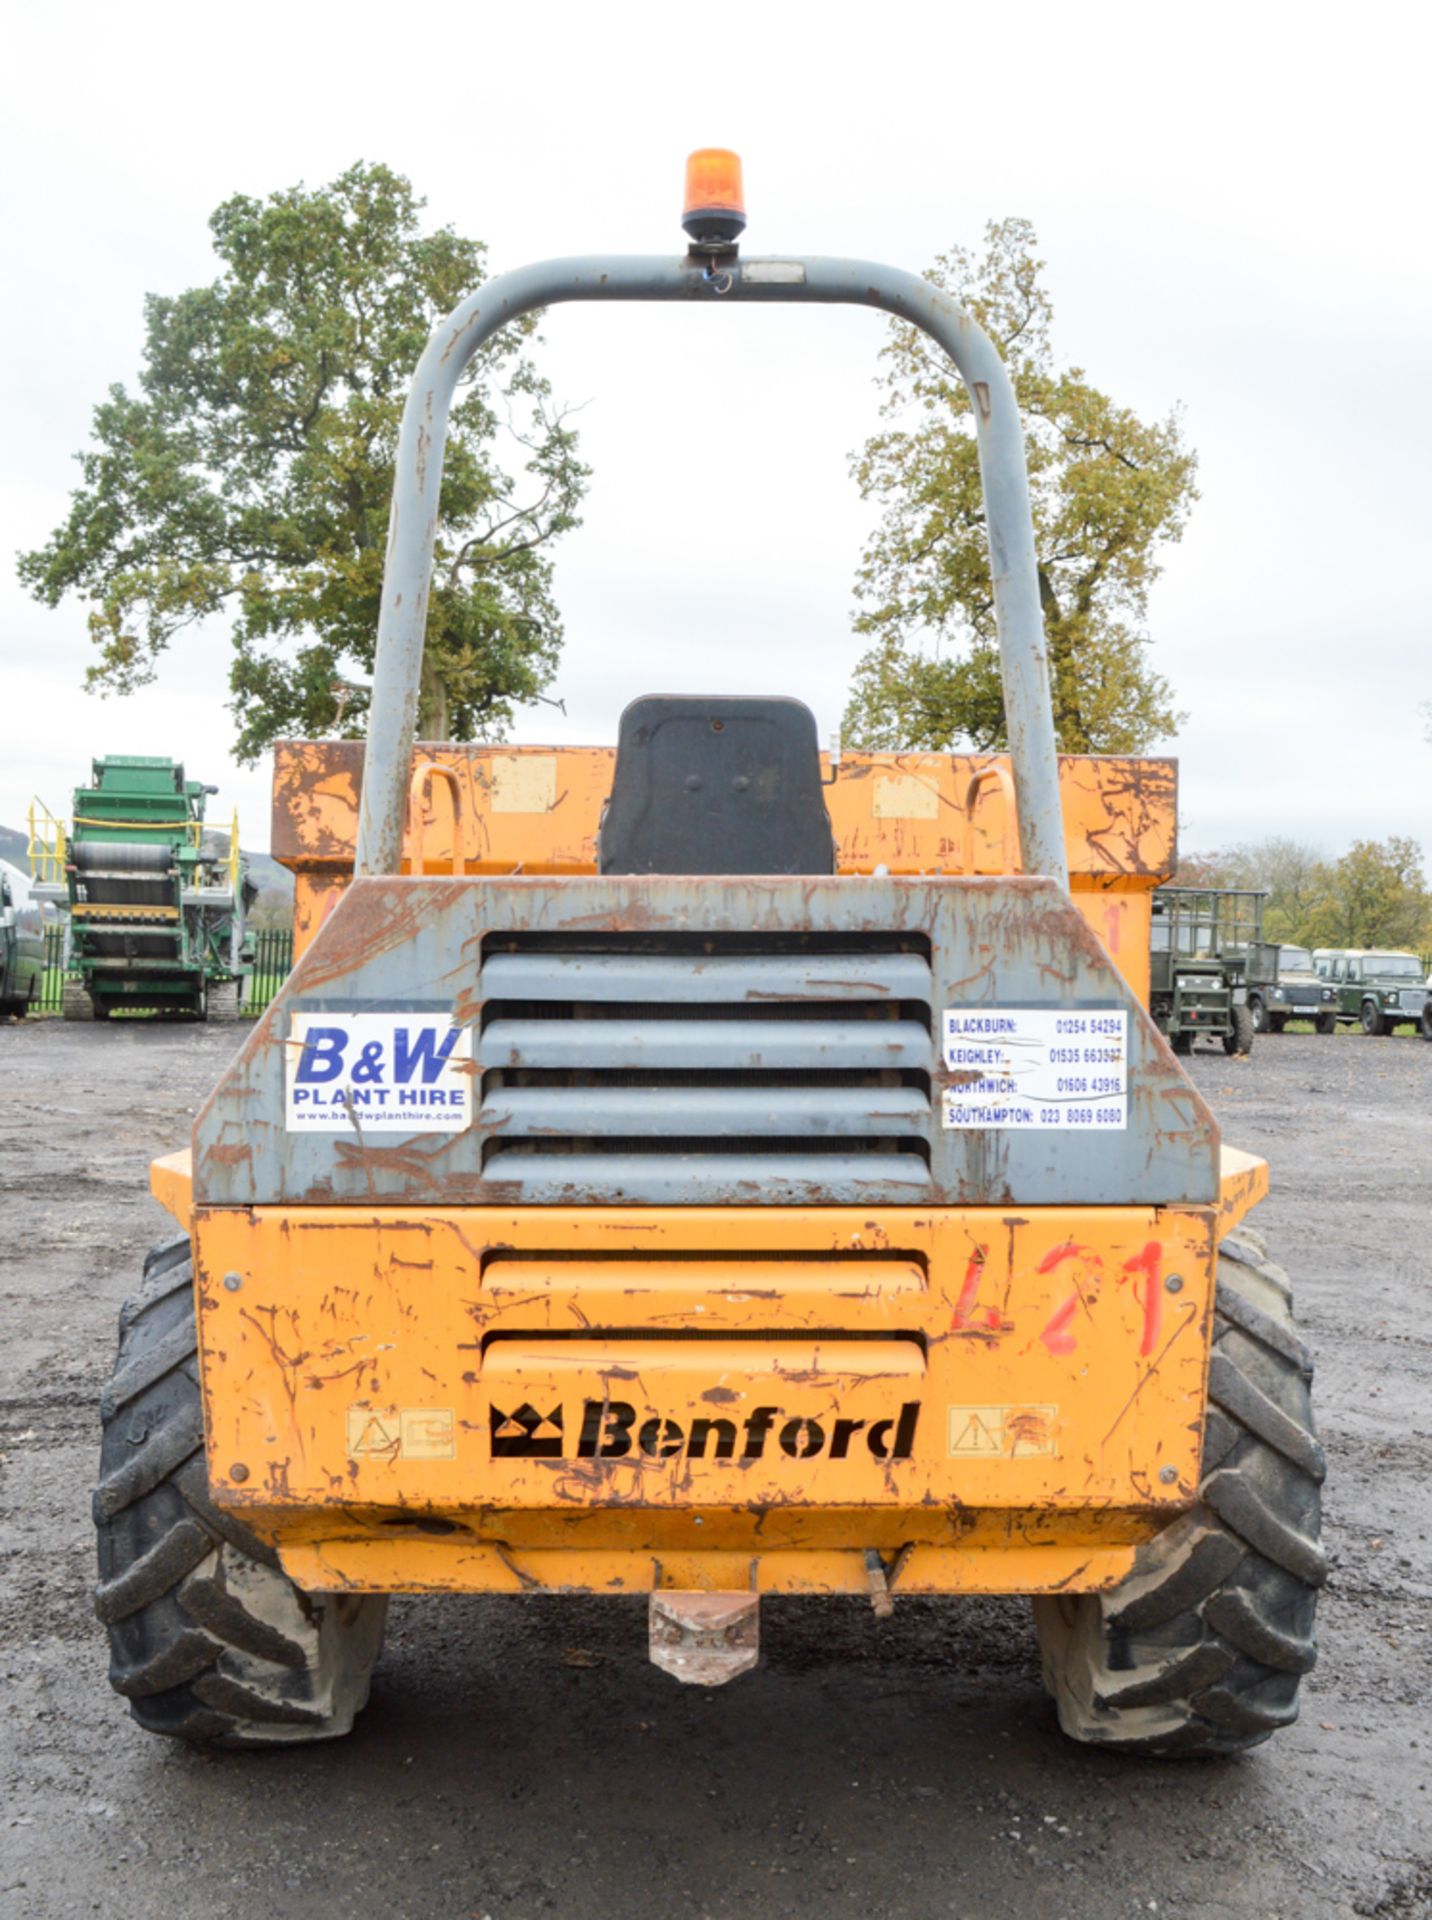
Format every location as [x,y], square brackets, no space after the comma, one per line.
[157,904]
[1207,956]
[1379,989]
[22,942]
[1297,991]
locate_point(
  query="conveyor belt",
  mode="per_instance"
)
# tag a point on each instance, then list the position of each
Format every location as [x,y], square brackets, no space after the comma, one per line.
[129,897]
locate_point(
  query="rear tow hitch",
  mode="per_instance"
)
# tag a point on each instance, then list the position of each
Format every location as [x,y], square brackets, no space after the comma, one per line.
[705,1639]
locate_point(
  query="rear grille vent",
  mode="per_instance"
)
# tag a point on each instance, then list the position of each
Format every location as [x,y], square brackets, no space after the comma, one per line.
[703,1067]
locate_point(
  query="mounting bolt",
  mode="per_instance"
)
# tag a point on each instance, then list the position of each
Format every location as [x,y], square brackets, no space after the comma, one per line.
[233,1281]
[1168,1475]
[1174,1283]
[238,1471]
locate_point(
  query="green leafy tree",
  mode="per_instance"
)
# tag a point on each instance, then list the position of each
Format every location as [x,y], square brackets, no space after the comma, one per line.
[250,475]
[1377,897]
[1201,870]
[1108,491]
[1297,879]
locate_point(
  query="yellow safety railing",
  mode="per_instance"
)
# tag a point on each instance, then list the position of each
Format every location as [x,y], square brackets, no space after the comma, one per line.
[45,850]
[194,828]
[48,843]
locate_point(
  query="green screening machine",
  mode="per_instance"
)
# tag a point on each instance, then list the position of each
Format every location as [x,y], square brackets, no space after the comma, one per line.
[157,902]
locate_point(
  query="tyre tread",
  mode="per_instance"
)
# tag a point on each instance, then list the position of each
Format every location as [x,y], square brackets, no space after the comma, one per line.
[128,1381]
[1261,1326]
[150,1577]
[162,1277]
[1200,1649]
[189,1597]
[1245,1402]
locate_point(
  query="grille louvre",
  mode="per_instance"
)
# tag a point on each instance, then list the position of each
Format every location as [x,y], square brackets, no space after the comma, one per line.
[810,1064]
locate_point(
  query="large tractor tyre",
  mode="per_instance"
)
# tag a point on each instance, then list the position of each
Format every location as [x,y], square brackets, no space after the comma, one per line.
[222,1000]
[1201,1648]
[210,1641]
[1182,1043]
[1372,1020]
[75,1003]
[1240,1038]
[1326,1023]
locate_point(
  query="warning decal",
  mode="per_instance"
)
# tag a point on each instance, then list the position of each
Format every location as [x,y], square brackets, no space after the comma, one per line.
[1003,1433]
[401,1433]
[377,1073]
[1045,1068]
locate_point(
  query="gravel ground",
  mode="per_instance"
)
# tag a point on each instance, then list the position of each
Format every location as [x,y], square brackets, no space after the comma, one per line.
[521,1759]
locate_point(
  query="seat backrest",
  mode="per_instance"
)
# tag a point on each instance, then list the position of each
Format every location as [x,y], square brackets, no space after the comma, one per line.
[716,785]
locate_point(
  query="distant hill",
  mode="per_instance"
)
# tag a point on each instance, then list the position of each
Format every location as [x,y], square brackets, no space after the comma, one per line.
[268,876]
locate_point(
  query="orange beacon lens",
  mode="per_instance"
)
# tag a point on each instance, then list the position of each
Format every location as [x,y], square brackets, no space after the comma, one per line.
[715,207]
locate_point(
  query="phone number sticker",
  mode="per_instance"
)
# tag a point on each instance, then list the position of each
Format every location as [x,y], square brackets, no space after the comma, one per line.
[1044,1068]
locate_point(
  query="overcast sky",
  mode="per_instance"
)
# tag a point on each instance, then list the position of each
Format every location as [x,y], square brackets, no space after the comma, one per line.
[1232,201]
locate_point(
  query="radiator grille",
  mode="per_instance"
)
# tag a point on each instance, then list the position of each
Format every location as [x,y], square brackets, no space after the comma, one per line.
[661,1066]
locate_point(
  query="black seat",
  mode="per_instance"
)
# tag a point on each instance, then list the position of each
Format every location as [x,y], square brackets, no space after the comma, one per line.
[716,785]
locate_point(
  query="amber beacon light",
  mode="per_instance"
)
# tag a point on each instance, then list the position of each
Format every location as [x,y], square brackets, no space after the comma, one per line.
[714,214]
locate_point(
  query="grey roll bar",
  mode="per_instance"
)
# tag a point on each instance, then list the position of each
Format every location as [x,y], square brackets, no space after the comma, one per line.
[412,527]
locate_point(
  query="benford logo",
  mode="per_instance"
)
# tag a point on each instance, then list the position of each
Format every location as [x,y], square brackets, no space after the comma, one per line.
[616,1430]
[526,1434]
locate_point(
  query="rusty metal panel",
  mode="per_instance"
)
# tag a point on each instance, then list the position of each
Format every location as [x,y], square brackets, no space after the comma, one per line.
[680,1045]
[655,1177]
[521,1113]
[894,1378]
[404,945]
[1243,1182]
[316,785]
[692,979]
[907,812]
[349,1557]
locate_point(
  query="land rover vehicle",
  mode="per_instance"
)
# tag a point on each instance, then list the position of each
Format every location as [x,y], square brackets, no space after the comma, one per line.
[1297,991]
[22,942]
[1375,987]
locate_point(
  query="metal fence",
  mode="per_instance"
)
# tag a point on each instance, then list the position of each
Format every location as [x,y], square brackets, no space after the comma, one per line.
[52,987]
[273,957]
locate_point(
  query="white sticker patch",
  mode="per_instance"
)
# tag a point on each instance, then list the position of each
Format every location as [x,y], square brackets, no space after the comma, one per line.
[523,782]
[377,1073]
[1036,1067]
[901,796]
[773,273]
